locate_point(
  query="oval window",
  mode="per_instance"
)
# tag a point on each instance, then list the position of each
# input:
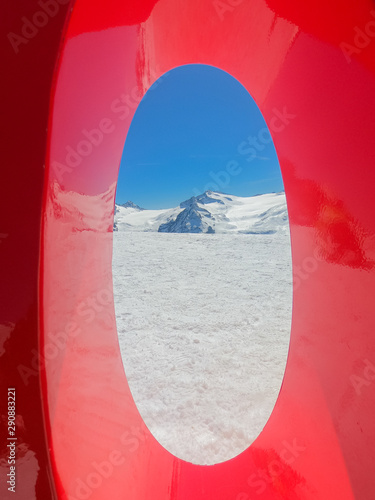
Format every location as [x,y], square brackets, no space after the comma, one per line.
[202,265]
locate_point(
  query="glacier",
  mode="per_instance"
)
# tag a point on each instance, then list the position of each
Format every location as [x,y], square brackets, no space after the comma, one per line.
[210,212]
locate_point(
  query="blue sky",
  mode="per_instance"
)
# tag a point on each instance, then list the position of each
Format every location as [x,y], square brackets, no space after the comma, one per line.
[191,133]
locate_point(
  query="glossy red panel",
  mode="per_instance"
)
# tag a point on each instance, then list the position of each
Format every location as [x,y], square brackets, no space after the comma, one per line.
[311,70]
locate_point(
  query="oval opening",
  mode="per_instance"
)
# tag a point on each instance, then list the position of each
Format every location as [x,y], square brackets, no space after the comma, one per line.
[202,265]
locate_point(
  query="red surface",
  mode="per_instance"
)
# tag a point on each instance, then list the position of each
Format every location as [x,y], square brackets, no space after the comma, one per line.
[56,255]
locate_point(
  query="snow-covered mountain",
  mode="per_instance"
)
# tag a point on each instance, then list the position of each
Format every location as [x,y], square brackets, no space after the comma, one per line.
[130,204]
[210,212]
[193,219]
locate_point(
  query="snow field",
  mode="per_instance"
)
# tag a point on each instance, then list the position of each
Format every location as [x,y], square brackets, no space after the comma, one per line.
[204,324]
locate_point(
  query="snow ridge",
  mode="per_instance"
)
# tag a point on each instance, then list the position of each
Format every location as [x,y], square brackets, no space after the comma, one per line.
[193,219]
[130,204]
[210,212]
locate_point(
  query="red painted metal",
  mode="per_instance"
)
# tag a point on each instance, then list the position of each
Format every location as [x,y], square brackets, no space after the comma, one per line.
[311,64]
